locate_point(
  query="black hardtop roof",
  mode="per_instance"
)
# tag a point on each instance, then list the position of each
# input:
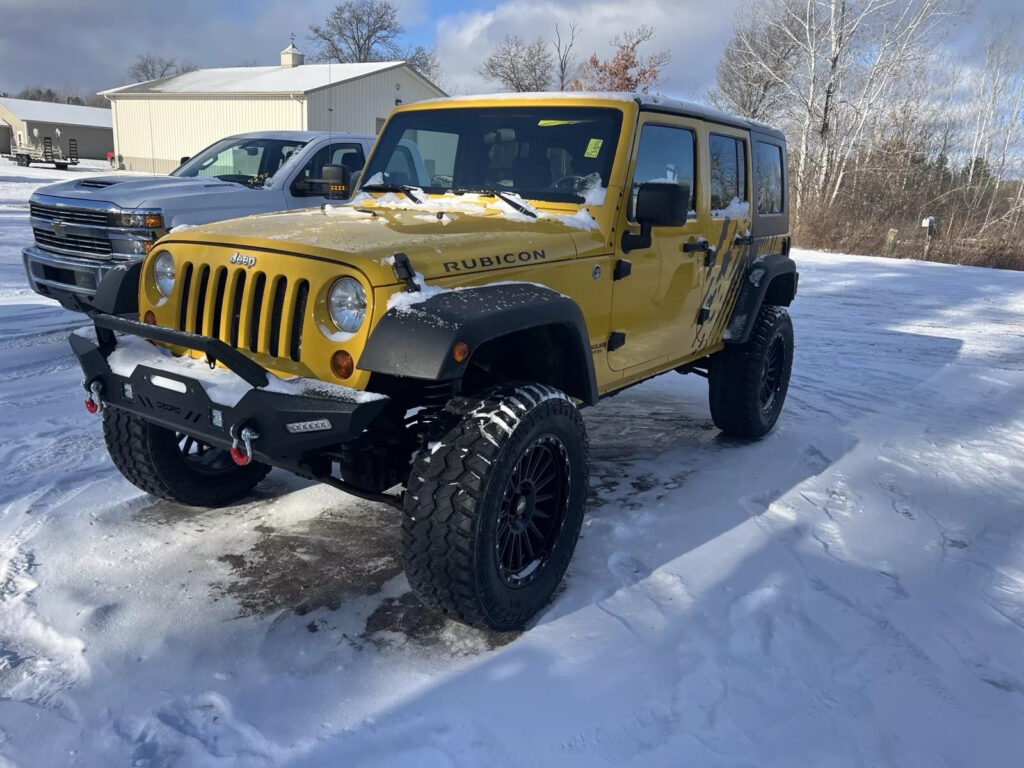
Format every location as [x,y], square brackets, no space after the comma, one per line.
[646,101]
[655,103]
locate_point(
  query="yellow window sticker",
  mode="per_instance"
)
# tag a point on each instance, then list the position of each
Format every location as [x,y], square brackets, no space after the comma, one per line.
[593,148]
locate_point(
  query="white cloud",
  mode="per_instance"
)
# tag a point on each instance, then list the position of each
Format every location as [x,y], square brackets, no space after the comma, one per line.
[694,31]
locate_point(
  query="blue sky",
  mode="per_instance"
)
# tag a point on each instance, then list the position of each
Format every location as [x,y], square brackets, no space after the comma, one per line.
[94,41]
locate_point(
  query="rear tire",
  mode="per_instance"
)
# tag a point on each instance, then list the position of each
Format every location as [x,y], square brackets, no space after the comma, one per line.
[493,511]
[174,466]
[747,383]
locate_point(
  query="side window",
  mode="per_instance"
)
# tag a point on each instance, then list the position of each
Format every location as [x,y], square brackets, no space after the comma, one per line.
[665,155]
[728,176]
[347,154]
[768,178]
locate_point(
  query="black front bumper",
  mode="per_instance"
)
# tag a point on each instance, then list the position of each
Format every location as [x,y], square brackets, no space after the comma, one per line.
[286,423]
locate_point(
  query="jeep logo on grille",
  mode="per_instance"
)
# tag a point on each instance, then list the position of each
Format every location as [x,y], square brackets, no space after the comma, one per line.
[247,261]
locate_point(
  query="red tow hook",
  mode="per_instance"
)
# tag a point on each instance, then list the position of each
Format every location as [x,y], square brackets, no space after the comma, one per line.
[242,454]
[94,403]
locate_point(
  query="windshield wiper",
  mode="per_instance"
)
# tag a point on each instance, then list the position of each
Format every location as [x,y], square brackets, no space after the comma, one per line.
[405,189]
[505,197]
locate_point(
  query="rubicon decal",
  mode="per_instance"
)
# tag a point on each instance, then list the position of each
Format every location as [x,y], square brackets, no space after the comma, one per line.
[484,262]
[246,261]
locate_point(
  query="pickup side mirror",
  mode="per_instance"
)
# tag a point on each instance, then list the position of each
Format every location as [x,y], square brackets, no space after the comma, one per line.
[184,159]
[657,205]
[335,183]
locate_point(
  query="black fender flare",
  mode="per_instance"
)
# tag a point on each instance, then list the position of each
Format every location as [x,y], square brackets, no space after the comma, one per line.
[417,340]
[118,291]
[759,278]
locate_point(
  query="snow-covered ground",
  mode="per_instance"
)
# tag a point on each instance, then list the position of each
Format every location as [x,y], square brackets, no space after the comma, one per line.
[847,592]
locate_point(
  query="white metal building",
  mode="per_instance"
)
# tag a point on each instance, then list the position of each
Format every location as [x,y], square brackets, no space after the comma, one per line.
[33,121]
[156,123]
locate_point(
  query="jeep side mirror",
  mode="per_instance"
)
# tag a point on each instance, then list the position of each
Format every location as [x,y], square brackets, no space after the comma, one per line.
[657,205]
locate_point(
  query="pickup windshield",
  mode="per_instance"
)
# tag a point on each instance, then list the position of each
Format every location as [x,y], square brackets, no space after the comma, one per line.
[541,153]
[244,161]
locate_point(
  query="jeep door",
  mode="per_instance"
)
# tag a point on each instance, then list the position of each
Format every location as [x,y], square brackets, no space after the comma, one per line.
[656,305]
[726,155]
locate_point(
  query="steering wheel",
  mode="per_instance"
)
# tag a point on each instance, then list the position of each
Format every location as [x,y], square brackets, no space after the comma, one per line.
[569,183]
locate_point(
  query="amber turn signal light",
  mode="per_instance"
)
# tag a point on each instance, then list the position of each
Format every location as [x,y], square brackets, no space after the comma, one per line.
[342,364]
[150,318]
[153,220]
[460,351]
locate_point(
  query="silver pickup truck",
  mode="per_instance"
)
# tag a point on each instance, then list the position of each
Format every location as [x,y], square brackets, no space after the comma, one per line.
[84,227]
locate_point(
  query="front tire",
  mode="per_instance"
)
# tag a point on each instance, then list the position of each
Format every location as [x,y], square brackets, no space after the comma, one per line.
[493,510]
[747,383]
[175,466]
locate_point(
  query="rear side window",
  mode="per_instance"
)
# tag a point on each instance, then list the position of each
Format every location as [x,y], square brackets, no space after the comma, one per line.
[728,176]
[665,155]
[768,177]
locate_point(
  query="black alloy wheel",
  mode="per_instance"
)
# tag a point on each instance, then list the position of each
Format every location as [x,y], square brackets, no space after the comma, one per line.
[532,511]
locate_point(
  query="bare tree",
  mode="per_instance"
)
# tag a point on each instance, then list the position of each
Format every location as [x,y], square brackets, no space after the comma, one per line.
[62,95]
[754,71]
[151,67]
[369,30]
[359,30]
[566,63]
[627,70]
[518,65]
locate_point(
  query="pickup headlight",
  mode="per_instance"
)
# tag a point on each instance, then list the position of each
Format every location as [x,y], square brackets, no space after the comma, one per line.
[138,220]
[163,273]
[346,304]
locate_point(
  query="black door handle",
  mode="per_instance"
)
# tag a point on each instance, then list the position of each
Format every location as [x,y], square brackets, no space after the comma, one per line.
[701,246]
[748,240]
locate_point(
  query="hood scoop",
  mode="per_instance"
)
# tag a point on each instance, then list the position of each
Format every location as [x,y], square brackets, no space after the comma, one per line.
[95,183]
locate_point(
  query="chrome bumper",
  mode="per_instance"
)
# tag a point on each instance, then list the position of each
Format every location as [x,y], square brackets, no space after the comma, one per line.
[64,278]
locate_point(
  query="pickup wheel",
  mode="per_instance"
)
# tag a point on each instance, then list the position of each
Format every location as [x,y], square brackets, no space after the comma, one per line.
[493,510]
[748,382]
[175,466]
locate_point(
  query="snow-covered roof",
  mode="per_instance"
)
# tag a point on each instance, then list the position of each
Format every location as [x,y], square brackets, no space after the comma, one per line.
[301,79]
[61,114]
[653,102]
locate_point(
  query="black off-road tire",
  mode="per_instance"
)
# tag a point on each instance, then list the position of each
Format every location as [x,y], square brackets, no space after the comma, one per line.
[747,383]
[150,458]
[464,494]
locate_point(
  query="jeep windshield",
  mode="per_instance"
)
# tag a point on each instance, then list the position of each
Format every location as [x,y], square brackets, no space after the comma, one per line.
[244,161]
[546,153]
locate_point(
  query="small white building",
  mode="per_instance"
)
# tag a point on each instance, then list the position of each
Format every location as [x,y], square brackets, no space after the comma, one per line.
[158,122]
[29,122]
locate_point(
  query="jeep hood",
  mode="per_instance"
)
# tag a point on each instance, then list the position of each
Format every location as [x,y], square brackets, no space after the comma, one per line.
[150,191]
[438,243]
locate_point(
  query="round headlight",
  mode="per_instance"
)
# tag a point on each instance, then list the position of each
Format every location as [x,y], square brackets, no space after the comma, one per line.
[346,303]
[163,273]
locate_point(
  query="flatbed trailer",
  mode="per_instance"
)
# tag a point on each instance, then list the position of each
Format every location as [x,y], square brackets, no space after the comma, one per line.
[46,151]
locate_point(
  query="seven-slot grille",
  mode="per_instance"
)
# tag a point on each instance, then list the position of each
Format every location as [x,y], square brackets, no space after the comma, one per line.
[247,309]
[68,215]
[93,246]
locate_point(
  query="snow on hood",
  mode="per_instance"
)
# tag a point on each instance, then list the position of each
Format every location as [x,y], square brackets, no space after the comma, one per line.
[475,204]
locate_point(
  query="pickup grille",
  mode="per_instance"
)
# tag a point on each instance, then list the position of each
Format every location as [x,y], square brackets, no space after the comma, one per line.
[89,246]
[263,313]
[68,215]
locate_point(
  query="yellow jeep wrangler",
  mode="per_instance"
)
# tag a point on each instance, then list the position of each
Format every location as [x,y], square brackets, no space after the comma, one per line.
[506,260]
